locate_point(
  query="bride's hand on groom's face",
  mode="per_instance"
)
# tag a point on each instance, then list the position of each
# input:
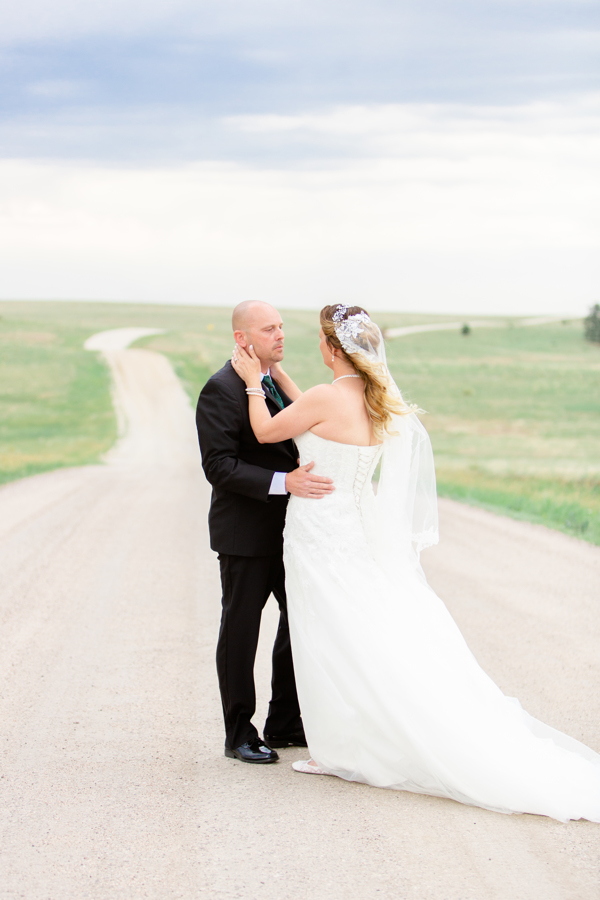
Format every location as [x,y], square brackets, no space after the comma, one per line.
[277,371]
[247,364]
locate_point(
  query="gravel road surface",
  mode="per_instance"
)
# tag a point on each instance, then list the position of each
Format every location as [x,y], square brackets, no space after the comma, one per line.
[113,783]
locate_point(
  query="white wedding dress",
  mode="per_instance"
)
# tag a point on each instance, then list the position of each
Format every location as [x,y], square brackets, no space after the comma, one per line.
[389,691]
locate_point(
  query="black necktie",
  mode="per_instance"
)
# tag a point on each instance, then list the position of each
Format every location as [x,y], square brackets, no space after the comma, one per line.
[273,391]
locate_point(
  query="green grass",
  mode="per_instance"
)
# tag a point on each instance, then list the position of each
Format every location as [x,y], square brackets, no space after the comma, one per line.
[513,413]
[55,405]
[514,418]
[572,507]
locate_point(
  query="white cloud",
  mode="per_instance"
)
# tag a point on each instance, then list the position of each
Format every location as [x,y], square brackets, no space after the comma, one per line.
[56,88]
[404,127]
[459,210]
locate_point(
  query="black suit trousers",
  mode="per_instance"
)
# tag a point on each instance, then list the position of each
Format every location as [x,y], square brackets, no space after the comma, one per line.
[247,582]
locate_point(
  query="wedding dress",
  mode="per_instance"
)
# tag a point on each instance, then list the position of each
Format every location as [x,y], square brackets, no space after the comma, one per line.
[390,693]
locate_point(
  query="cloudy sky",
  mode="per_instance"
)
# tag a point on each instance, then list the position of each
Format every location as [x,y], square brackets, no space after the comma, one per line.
[415,155]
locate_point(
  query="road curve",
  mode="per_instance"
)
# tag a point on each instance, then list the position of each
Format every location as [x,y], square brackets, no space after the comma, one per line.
[112,782]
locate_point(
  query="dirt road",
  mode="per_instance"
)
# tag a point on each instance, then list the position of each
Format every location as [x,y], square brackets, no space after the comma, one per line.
[113,784]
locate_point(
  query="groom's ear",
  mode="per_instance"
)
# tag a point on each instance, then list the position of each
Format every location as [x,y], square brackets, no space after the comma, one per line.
[240,338]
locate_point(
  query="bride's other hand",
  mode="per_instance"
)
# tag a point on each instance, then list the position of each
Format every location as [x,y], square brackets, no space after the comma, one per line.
[277,372]
[247,364]
[282,378]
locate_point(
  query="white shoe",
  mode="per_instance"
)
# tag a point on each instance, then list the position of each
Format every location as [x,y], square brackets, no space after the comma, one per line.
[303,765]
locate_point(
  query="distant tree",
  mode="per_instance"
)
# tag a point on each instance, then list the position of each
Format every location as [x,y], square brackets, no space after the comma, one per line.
[466,329]
[591,324]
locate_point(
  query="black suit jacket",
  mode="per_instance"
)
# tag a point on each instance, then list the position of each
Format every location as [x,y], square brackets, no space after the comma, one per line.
[244,520]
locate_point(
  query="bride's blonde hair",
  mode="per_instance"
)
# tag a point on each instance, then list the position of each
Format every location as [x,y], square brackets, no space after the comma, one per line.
[382,398]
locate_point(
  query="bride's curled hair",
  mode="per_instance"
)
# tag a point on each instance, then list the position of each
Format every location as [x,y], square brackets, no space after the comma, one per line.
[382,398]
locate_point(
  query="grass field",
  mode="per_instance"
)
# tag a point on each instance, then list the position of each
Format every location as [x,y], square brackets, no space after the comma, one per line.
[55,404]
[513,413]
[514,418]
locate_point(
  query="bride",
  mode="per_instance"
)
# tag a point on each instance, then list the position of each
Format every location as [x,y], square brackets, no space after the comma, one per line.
[390,693]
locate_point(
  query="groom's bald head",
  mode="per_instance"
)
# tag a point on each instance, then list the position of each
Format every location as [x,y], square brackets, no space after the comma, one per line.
[245,314]
[259,324]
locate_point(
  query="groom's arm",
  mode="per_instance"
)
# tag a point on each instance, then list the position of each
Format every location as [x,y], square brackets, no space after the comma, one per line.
[219,421]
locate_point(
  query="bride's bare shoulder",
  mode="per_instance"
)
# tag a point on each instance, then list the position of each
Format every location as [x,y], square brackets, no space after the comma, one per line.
[320,393]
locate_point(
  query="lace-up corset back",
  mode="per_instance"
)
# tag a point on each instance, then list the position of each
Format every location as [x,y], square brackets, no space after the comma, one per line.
[350,466]
[336,521]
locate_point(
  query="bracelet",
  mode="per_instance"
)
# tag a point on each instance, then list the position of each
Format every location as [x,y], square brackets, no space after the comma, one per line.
[256,392]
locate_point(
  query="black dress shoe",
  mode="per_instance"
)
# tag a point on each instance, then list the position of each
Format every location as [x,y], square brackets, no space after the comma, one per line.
[253,751]
[296,739]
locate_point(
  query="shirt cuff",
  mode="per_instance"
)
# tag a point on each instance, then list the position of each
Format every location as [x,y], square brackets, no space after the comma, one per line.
[278,483]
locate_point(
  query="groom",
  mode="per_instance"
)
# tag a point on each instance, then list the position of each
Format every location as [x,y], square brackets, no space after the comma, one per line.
[251,483]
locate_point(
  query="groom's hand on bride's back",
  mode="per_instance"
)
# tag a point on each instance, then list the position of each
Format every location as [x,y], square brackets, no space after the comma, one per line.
[302,483]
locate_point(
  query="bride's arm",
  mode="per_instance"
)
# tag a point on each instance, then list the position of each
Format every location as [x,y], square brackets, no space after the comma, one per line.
[309,409]
[282,378]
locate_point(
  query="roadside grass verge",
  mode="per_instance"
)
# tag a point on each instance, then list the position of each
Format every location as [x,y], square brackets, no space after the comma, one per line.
[55,404]
[572,507]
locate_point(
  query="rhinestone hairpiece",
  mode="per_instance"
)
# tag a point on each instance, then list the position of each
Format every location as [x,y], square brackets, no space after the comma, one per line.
[347,330]
[340,312]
